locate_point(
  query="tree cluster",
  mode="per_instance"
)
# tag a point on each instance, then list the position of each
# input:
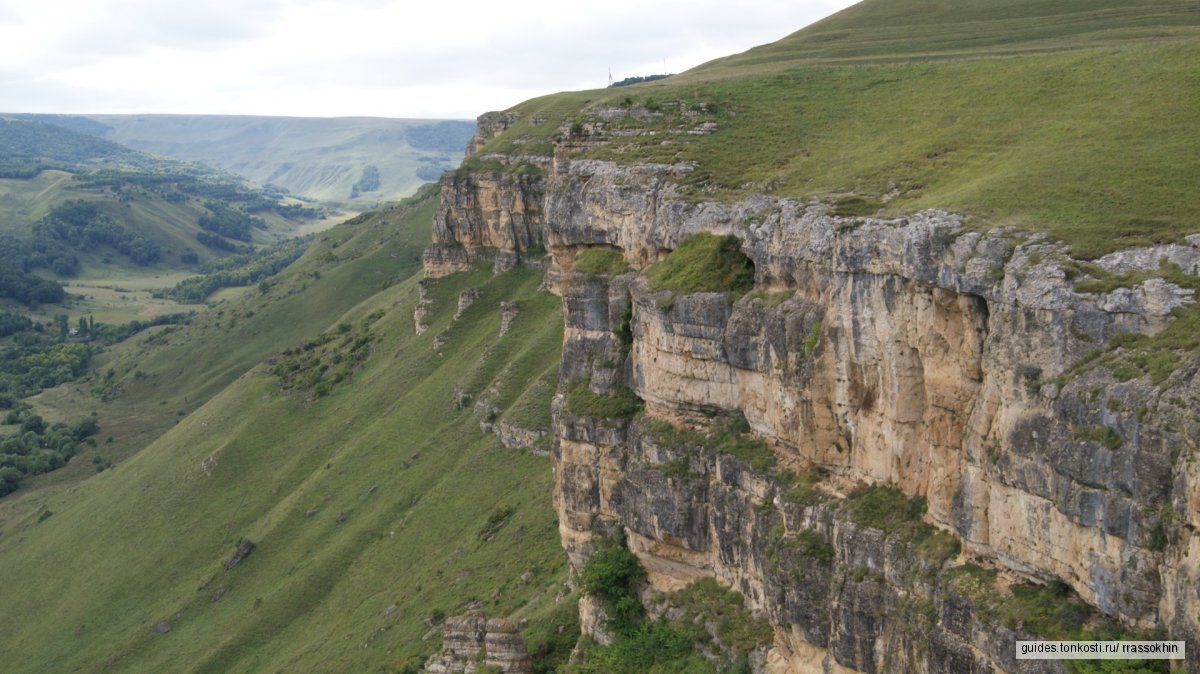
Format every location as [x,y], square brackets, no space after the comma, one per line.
[369,182]
[27,289]
[229,222]
[35,447]
[240,270]
[638,80]
[83,226]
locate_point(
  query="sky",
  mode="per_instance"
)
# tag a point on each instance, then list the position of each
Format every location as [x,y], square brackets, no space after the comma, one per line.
[384,58]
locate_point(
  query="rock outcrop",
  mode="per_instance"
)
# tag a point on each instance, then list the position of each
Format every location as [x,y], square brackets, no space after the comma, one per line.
[473,641]
[491,213]
[956,366]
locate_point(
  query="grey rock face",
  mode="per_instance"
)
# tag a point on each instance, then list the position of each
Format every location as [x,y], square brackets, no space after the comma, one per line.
[472,641]
[913,352]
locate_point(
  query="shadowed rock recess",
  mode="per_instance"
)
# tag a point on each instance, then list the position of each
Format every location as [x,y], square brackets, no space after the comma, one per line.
[937,363]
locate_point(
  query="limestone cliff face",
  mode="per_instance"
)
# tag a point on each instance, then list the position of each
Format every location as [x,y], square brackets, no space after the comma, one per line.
[472,642]
[912,352]
[486,214]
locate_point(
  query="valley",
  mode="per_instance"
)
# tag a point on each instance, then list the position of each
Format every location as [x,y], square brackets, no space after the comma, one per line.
[869,350]
[358,161]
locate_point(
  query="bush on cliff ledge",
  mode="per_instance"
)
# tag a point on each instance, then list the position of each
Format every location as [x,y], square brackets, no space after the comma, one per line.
[583,401]
[604,261]
[705,263]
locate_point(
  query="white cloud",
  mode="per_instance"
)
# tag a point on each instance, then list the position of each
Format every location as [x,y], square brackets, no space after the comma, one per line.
[357,57]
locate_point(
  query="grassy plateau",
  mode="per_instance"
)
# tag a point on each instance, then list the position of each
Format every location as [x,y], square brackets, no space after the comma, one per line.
[1073,118]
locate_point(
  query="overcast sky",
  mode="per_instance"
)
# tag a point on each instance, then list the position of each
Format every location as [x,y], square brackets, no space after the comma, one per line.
[358,57]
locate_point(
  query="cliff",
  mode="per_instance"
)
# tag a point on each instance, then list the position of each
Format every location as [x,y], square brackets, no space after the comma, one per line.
[490,210]
[960,368]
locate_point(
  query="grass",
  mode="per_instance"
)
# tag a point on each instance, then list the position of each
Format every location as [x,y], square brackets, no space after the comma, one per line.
[770,300]
[1102,434]
[336,493]
[1073,119]
[704,262]
[801,489]
[885,508]
[140,388]
[878,31]
[1049,611]
[582,401]
[730,435]
[899,516]
[603,261]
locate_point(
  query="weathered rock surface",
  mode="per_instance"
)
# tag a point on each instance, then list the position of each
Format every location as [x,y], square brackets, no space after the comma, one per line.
[491,214]
[243,550]
[472,641]
[424,301]
[912,351]
[511,435]
[508,313]
[465,299]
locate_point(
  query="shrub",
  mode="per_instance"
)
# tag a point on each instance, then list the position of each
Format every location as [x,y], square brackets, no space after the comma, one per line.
[811,545]
[887,509]
[610,572]
[610,575]
[706,602]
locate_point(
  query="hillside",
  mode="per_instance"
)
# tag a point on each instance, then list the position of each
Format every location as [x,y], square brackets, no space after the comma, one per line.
[1086,137]
[877,31]
[337,485]
[365,160]
[108,219]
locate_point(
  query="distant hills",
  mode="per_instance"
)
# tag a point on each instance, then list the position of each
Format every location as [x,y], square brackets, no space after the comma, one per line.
[77,206]
[354,159]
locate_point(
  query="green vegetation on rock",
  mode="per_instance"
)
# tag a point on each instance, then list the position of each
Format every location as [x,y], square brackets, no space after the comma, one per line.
[704,262]
[898,515]
[1049,611]
[584,402]
[729,434]
[601,261]
[612,575]
[717,613]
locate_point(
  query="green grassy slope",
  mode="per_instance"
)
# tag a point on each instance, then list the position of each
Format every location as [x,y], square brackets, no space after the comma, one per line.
[1074,118]
[887,30]
[166,372]
[389,453]
[319,158]
[44,165]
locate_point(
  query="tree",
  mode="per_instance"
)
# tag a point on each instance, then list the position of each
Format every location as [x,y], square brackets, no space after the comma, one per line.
[10,479]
